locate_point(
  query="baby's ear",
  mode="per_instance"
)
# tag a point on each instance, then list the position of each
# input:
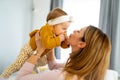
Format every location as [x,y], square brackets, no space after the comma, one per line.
[82,44]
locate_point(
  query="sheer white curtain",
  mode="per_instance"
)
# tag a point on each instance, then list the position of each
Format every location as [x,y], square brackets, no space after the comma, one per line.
[84,12]
[109,22]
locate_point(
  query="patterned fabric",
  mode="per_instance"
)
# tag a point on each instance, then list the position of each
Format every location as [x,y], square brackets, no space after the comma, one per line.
[25,53]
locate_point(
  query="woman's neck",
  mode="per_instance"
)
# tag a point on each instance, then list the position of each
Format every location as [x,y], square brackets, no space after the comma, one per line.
[75,49]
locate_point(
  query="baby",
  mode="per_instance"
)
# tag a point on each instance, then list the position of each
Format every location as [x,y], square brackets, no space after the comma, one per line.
[52,34]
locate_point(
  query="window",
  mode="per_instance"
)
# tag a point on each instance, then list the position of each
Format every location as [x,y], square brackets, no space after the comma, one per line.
[84,12]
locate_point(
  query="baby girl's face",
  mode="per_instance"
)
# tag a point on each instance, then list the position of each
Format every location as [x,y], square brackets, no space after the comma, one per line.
[61,28]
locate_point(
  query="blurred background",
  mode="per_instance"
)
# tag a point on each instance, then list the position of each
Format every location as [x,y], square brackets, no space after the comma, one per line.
[19,17]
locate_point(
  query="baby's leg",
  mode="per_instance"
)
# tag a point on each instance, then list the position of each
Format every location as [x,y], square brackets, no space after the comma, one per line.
[25,53]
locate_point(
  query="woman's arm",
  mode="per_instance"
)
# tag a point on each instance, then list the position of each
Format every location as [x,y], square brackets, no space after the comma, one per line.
[25,72]
[27,68]
[52,62]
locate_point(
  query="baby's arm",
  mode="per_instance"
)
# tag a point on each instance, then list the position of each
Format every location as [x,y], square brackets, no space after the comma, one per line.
[50,41]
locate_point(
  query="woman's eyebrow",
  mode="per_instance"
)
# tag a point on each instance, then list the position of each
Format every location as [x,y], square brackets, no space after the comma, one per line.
[80,30]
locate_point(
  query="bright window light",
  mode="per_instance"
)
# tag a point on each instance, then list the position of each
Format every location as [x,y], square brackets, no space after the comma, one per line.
[84,12]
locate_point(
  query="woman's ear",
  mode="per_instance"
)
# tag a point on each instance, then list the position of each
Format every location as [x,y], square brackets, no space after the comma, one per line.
[81,44]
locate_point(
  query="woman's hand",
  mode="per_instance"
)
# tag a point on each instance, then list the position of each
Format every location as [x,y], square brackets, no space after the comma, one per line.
[40,49]
[37,38]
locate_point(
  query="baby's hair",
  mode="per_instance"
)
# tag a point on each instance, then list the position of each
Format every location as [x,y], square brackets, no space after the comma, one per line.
[57,12]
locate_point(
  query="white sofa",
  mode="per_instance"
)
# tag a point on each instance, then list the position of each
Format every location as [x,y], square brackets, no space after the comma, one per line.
[111,75]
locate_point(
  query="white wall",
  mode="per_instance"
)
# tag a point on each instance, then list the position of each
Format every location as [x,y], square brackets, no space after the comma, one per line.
[81,18]
[40,10]
[16,21]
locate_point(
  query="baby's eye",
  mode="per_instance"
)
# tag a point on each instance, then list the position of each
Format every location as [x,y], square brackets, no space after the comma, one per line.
[78,31]
[64,28]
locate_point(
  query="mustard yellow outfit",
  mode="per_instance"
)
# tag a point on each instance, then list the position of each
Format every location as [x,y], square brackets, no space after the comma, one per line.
[49,41]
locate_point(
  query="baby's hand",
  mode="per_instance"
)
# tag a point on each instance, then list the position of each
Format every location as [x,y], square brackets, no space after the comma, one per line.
[62,37]
[66,39]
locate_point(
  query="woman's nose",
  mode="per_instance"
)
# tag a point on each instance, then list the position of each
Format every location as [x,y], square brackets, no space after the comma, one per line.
[65,31]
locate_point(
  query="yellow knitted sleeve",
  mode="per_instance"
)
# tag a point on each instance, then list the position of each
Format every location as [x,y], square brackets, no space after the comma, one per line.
[32,39]
[48,38]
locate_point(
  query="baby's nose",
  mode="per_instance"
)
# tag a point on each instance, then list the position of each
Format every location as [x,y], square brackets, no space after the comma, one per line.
[64,31]
[75,31]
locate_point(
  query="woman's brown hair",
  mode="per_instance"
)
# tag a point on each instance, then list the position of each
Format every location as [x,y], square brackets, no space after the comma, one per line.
[91,62]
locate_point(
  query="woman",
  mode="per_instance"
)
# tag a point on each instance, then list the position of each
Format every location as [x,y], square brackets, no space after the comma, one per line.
[88,60]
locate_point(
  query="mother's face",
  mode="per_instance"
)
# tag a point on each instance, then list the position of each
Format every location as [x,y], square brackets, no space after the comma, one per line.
[76,36]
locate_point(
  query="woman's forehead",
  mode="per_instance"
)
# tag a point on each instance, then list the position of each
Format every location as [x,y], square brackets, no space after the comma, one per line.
[83,29]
